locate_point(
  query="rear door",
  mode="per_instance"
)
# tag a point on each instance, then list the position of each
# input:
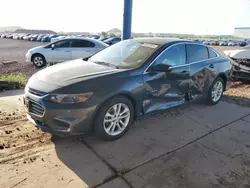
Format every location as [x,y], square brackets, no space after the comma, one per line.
[167,89]
[83,48]
[202,68]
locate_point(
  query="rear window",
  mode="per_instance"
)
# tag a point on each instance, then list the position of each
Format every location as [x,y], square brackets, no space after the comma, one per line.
[212,54]
[196,53]
[82,44]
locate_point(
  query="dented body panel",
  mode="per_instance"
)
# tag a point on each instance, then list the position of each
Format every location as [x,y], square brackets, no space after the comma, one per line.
[165,90]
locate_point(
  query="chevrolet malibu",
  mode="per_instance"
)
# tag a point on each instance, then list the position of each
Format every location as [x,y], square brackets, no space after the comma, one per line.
[106,92]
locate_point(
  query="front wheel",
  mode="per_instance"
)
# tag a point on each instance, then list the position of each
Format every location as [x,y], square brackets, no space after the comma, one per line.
[38,60]
[114,118]
[216,91]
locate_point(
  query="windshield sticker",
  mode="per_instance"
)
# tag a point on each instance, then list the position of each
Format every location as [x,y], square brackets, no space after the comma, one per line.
[150,45]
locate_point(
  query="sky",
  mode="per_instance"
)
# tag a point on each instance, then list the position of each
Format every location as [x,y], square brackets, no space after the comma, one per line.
[165,16]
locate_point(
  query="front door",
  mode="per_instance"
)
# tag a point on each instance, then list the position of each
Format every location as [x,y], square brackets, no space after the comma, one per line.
[167,89]
[61,52]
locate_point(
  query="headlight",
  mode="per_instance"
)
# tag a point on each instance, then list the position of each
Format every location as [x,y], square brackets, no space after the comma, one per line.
[70,98]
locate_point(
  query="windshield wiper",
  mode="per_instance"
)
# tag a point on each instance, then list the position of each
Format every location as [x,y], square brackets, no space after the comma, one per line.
[105,63]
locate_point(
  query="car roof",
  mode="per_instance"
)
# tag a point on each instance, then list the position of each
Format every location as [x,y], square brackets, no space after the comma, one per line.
[88,39]
[159,40]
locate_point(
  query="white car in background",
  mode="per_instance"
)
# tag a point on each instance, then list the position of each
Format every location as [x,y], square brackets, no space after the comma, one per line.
[64,50]
[58,38]
[241,63]
[242,53]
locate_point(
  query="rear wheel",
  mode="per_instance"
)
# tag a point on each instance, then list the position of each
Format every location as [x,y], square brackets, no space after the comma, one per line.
[114,118]
[38,60]
[216,91]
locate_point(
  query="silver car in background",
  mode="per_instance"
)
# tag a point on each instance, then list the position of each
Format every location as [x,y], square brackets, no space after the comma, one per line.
[64,50]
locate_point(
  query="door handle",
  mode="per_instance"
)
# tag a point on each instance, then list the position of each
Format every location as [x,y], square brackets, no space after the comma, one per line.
[184,72]
[211,66]
[67,51]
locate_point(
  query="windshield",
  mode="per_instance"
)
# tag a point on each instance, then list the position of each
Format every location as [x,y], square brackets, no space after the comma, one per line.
[127,54]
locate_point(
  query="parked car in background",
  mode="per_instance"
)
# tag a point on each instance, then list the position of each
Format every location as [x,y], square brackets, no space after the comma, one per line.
[49,37]
[242,43]
[95,37]
[241,63]
[64,50]
[150,75]
[46,38]
[15,36]
[60,37]
[214,42]
[207,42]
[232,43]
[10,36]
[112,40]
[39,38]
[33,38]
[25,37]
[223,43]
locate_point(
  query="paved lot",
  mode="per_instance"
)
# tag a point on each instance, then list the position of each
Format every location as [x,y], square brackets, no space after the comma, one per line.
[196,146]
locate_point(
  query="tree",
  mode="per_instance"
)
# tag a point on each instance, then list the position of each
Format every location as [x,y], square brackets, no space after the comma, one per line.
[111,34]
[104,33]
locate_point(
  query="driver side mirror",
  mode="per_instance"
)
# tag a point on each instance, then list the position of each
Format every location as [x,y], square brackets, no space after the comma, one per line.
[162,68]
[53,46]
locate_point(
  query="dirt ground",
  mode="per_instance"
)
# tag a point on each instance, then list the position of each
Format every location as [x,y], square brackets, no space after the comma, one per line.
[28,155]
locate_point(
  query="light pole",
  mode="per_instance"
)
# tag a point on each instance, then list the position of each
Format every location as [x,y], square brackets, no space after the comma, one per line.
[127,19]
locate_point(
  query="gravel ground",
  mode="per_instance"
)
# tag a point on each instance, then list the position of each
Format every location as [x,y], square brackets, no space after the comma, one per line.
[15,50]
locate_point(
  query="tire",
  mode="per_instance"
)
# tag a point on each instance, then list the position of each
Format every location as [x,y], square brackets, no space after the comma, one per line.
[109,130]
[38,60]
[214,99]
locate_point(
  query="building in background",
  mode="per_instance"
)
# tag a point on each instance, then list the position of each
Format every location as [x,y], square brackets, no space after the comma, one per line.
[242,32]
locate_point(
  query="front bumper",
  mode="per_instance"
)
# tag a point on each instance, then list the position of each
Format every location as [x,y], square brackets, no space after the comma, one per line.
[240,72]
[56,120]
[28,57]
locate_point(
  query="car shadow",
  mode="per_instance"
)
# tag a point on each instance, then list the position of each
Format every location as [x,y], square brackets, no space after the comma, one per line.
[242,101]
[8,93]
[78,156]
[81,161]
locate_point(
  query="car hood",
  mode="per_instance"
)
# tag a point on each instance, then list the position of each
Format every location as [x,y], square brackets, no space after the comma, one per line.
[74,71]
[36,49]
[243,53]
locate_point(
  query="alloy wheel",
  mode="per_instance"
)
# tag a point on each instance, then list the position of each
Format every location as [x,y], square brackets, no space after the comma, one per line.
[116,119]
[38,61]
[217,91]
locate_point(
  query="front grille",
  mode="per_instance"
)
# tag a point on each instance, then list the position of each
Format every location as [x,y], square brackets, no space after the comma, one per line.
[36,92]
[36,108]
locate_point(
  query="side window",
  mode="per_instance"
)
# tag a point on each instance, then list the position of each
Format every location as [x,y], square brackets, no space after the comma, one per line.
[175,56]
[63,44]
[82,44]
[196,53]
[212,54]
[117,40]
